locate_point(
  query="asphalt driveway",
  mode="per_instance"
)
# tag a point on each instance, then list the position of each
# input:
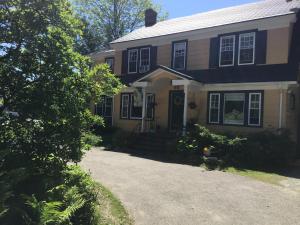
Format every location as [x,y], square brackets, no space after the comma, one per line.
[159,193]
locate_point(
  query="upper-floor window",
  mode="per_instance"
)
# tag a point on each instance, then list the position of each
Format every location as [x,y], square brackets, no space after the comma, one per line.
[110,63]
[144,60]
[227,47]
[179,55]
[132,61]
[246,48]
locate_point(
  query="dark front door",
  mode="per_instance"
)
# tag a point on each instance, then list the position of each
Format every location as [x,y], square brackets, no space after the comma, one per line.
[176,105]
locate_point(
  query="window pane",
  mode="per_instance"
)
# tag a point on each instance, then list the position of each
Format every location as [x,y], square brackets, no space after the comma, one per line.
[125,106]
[254,109]
[234,108]
[136,104]
[179,55]
[110,62]
[246,51]
[145,60]
[227,51]
[214,108]
[132,60]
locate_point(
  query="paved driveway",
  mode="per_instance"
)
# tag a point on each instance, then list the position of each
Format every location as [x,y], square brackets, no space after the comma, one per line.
[159,193]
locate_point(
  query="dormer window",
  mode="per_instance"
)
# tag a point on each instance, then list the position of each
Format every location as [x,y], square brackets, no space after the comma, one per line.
[144,60]
[179,55]
[132,60]
[227,48]
[246,48]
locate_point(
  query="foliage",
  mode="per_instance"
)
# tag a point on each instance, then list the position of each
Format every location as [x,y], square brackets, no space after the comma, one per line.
[91,139]
[107,20]
[50,86]
[122,138]
[259,150]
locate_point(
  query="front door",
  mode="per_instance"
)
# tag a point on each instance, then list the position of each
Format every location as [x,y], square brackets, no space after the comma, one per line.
[176,105]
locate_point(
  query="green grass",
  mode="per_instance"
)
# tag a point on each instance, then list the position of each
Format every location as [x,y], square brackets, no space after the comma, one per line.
[266,177]
[112,212]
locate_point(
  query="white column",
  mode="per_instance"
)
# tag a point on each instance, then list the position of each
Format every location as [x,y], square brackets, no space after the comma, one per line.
[144,109]
[185,108]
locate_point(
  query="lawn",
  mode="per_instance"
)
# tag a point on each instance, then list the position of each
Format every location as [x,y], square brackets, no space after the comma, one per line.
[266,177]
[111,210]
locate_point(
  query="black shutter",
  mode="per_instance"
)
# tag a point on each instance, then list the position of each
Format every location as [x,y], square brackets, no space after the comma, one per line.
[153,57]
[214,53]
[124,62]
[261,47]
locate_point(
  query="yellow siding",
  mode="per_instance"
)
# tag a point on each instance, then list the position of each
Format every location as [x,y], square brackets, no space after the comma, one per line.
[118,63]
[164,53]
[278,44]
[198,54]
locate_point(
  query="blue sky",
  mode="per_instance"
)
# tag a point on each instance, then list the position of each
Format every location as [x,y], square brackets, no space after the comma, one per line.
[178,8]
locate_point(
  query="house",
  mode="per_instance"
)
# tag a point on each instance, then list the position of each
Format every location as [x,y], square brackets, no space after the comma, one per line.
[234,69]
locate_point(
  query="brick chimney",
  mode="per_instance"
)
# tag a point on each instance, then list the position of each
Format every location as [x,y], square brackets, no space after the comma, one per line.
[150,17]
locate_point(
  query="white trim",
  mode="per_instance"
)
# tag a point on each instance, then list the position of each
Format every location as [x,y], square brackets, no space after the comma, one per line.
[219,104]
[158,72]
[122,106]
[248,86]
[275,22]
[180,82]
[128,59]
[141,84]
[141,59]
[259,108]
[239,50]
[220,50]
[174,51]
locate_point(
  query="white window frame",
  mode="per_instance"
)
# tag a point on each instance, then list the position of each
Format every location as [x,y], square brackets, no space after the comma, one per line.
[113,62]
[249,108]
[220,50]
[254,44]
[122,106]
[136,63]
[149,50]
[244,108]
[153,96]
[130,105]
[174,51]
[219,108]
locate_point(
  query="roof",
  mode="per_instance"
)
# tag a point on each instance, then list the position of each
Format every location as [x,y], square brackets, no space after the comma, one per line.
[248,12]
[245,74]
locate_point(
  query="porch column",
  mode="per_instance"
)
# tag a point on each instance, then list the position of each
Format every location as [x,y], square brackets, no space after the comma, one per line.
[143,110]
[185,108]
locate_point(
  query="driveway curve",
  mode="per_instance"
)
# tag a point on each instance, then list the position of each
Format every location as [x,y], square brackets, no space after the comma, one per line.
[159,193]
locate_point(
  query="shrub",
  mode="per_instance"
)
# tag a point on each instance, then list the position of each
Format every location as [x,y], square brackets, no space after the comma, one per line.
[260,150]
[122,138]
[91,139]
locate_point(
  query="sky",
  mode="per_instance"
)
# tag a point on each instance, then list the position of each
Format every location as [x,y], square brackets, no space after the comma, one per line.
[178,8]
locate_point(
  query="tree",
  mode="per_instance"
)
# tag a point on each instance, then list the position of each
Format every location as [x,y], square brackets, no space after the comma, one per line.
[50,86]
[112,19]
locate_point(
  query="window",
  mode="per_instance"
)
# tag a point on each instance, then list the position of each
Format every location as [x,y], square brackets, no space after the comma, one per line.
[179,55]
[227,48]
[124,106]
[234,104]
[132,60]
[254,110]
[242,108]
[136,103]
[214,108]
[246,48]
[110,62]
[150,101]
[144,60]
